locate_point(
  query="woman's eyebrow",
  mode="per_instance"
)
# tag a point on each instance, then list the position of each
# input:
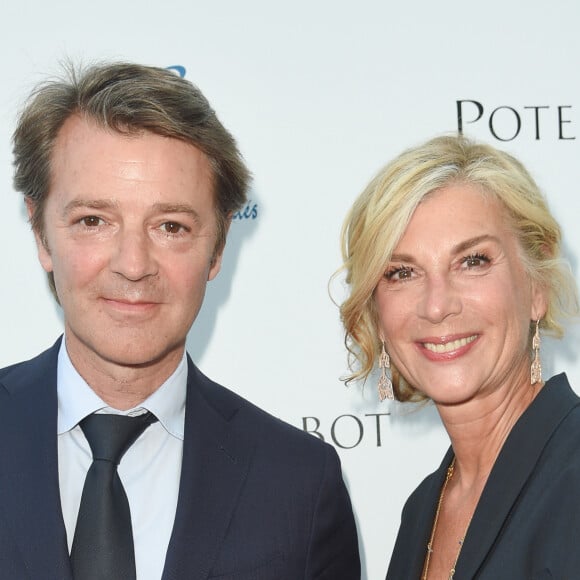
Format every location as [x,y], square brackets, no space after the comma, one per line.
[467,244]
[457,249]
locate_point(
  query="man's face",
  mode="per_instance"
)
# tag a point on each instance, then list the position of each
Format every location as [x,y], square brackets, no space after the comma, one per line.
[130,233]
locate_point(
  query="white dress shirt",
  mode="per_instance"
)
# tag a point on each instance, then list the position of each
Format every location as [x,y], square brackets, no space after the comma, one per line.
[150,470]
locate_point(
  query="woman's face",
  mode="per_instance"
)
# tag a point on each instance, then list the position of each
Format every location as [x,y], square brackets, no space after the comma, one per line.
[455,303]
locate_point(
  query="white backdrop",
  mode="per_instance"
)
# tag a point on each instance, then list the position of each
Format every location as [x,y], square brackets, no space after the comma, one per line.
[319,96]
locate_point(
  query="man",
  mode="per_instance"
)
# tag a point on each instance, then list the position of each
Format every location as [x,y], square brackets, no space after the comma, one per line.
[130,182]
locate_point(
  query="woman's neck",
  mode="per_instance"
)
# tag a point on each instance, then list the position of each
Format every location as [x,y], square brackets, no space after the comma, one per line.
[478,428]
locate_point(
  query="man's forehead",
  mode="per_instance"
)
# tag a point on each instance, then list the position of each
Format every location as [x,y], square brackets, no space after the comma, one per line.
[79,133]
[87,158]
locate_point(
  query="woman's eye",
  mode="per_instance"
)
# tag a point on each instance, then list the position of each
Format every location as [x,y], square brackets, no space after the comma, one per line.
[475,260]
[399,273]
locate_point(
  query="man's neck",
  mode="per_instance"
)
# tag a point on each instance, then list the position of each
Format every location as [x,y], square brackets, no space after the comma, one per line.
[123,387]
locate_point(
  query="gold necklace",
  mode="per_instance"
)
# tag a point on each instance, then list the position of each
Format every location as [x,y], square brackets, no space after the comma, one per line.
[449,475]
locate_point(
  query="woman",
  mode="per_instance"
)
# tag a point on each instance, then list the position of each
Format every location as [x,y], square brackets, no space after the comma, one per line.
[453,262]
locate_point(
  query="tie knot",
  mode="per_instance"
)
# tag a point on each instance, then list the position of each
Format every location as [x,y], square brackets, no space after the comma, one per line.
[110,436]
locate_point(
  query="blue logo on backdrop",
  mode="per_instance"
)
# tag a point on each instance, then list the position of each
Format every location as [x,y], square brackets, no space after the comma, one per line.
[180,70]
[505,123]
[249,212]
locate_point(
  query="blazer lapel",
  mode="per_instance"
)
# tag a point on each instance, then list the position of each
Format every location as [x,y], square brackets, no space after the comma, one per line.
[512,469]
[411,558]
[216,459]
[29,490]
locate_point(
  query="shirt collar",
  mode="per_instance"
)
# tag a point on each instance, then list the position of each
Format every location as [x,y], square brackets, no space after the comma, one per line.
[76,399]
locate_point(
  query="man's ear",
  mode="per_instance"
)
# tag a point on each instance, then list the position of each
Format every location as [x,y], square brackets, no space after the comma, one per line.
[215,267]
[30,206]
[41,246]
[216,261]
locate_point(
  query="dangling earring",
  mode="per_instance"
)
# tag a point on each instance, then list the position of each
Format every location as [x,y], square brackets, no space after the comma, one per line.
[385,385]
[536,368]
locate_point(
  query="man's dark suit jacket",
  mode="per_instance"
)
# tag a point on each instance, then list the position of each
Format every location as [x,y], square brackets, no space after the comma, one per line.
[527,523]
[258,499]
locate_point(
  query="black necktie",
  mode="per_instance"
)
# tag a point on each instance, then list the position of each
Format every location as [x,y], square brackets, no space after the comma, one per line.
[103,542]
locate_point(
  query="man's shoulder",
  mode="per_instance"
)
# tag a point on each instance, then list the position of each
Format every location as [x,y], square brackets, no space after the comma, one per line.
[41,363]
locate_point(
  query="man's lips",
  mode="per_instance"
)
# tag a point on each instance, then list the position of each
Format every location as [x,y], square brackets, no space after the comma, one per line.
[130,305]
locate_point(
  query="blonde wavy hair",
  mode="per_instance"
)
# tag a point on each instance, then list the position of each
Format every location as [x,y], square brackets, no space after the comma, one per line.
[380,215]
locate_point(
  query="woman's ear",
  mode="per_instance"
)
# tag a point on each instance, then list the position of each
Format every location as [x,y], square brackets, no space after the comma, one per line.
[539,305]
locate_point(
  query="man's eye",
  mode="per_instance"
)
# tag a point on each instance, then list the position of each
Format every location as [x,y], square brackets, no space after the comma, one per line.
[172,228]
[91,221]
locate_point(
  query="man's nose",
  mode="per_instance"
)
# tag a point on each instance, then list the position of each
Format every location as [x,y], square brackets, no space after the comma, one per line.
[133,256]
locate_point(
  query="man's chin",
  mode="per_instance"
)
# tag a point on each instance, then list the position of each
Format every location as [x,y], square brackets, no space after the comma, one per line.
[121,351]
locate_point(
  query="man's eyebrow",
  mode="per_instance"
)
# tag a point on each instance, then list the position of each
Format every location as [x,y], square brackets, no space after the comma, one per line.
[80,203]
[176,208]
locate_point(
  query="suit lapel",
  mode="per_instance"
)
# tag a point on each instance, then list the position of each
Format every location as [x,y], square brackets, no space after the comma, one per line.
[29,491]
[216,459]
[512,469]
